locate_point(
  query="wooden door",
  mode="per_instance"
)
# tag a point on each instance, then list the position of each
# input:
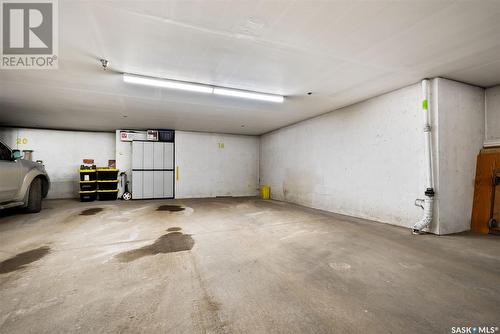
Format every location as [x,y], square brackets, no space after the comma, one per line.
[488,161]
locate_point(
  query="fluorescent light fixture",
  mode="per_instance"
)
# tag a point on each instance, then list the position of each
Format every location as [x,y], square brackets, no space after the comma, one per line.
[200,88]
[248,95]
[165,83]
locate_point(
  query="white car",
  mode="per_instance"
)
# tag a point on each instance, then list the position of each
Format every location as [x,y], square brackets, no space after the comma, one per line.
[23,183]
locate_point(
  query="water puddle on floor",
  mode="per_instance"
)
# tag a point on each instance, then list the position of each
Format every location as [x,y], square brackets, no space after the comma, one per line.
[171,242]
[170,208]
[90,212]
[22,259]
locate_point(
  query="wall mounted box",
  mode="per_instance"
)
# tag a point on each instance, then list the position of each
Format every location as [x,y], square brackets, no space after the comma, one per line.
[152,135]
[166,135]
[126,136]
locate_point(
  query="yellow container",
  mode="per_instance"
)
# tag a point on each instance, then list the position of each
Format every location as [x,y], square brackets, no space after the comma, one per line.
[265,192]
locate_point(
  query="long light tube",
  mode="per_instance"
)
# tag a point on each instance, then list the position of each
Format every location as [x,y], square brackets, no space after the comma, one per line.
[248,95]
[200,88]
[140,80]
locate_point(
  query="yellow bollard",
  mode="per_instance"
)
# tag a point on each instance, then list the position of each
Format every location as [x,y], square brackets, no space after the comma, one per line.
[265,192]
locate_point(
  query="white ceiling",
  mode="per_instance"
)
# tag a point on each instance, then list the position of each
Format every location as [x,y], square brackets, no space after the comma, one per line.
[342,51]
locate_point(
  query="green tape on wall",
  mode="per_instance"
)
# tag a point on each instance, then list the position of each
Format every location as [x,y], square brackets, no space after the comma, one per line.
[424,104]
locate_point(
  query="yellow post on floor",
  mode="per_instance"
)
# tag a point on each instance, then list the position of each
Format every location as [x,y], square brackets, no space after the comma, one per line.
[265,192]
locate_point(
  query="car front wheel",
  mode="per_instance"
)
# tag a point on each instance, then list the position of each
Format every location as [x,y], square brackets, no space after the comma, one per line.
[35,197]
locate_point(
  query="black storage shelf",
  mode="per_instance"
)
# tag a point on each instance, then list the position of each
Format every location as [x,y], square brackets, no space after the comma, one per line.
[88,175]
[107,184]
[108,195]
[88,185]
[98,183]
[104,174]
[88,196]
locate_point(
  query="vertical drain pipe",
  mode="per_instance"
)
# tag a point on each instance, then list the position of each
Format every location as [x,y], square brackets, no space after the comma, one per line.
[427,203]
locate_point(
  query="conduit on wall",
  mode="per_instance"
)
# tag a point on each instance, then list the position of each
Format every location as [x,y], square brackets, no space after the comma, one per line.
[428,202]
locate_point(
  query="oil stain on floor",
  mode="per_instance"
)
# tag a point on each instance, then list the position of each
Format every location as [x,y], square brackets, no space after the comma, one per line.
[22,259]
[90,212]
[171,208]
[168,243]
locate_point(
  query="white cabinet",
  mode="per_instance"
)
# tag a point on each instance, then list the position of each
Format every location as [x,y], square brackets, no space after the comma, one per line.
[152,170]
[168,160]
[148,156]
[168,184]
[147,184]
[158,184]
[137,184]
[158,155]
[137,154]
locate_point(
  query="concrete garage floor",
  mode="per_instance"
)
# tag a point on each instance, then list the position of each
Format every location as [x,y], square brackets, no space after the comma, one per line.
[236,266]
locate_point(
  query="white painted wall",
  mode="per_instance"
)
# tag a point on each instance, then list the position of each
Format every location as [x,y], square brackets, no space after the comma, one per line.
[364,160]
[124,156]
[62,153]
[206,169]
[492,101]
[461,134]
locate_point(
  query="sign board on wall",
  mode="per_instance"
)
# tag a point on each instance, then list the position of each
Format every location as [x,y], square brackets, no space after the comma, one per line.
[152,135]
[126,136]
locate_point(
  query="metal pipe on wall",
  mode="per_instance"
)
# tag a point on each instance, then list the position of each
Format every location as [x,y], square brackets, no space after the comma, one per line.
[427,203]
